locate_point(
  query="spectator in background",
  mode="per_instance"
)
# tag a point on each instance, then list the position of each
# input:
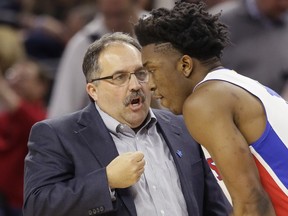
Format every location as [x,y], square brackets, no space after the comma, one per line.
[259,36]
[22,93]
[44,33]
[11,46]
[56,8]
[46,36]
[68,93]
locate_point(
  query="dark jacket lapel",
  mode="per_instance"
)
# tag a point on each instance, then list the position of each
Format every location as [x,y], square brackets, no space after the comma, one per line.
[173,135]
[95,134]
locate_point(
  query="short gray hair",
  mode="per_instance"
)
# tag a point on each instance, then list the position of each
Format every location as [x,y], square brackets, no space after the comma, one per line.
[90,61]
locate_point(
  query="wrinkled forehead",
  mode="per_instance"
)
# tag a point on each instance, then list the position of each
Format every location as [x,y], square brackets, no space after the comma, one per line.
[119,49]
[120,56]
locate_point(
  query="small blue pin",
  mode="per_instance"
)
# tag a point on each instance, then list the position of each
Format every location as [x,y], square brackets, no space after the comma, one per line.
[179,153]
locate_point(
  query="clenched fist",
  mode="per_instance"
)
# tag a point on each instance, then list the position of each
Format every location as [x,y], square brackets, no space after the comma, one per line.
[125,170]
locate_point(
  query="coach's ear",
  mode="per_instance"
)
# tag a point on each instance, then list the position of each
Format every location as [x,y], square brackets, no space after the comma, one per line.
[92,91]
[185,65]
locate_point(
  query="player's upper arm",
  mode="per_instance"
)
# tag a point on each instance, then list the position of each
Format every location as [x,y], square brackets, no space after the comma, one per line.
[208,114]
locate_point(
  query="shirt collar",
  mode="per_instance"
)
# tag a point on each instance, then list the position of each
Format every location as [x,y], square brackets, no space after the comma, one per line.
[117,128]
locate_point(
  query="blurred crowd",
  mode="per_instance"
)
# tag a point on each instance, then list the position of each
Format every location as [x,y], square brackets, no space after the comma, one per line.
[42,44]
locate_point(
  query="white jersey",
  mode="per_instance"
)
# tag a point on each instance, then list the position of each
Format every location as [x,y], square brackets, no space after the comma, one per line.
[270,151]
[216,173]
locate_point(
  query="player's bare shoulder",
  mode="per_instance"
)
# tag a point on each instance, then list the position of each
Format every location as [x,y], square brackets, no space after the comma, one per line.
[209,104]
[222,101]
[211,97]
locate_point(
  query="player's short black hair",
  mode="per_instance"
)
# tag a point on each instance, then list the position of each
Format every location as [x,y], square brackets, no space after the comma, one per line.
[188,27]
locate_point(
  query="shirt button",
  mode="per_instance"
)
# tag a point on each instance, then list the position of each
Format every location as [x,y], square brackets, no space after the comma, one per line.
[154,187]
[162,212]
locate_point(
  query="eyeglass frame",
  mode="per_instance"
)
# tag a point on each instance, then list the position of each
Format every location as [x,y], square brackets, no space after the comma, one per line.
[122,72]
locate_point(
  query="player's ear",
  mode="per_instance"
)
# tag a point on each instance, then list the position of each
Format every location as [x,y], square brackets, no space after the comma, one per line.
[92,91]
[185,65]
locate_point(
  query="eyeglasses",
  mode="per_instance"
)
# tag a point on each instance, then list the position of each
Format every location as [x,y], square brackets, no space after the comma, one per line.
[122,78]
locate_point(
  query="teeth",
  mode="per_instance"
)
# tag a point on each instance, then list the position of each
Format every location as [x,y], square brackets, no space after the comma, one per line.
[135,102]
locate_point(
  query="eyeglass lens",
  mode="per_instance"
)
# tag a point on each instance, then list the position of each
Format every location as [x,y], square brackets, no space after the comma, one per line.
[122,78]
